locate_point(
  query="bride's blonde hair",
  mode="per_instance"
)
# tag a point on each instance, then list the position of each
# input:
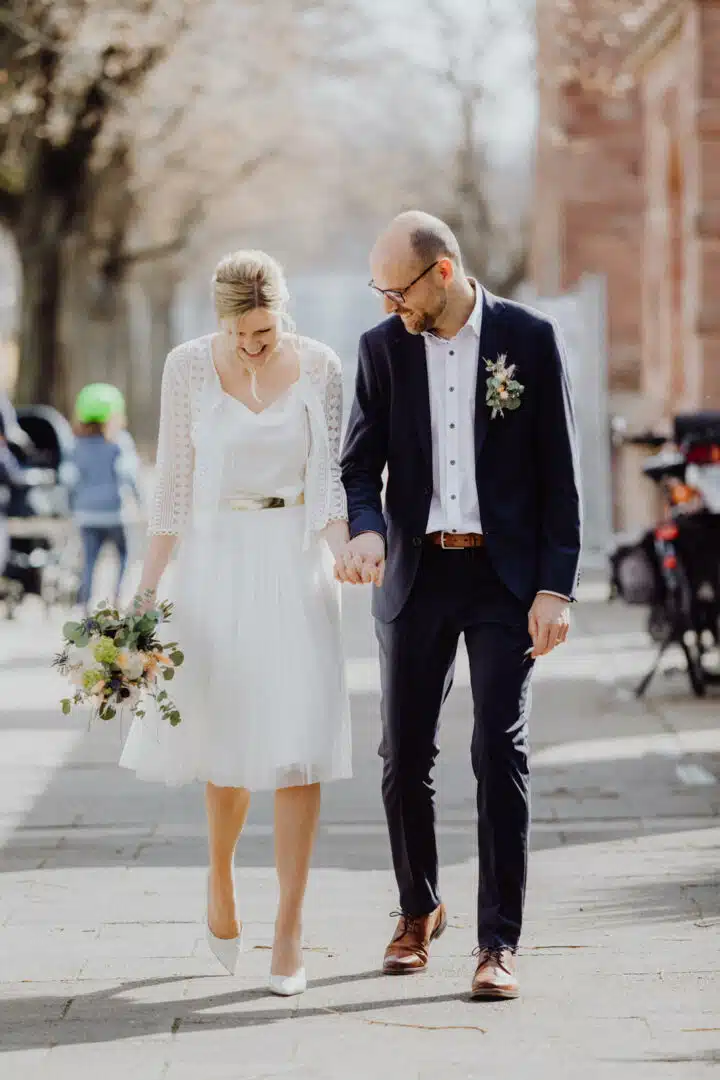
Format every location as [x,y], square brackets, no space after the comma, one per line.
[246,280]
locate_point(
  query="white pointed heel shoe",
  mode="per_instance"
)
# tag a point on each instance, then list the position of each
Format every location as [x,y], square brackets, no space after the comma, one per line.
[288,985]
[225,950]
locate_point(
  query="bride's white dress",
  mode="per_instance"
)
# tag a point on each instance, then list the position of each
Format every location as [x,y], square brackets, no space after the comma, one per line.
[262,691]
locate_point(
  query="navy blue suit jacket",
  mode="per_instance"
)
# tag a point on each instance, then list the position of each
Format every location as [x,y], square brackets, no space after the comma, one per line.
[526,461]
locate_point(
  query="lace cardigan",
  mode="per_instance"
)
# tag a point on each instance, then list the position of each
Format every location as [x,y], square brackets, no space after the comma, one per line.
[184,489]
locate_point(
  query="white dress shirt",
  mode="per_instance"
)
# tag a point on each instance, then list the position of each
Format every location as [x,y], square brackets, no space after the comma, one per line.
[452,365]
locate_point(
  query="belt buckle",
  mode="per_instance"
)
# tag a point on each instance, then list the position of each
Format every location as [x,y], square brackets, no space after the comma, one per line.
[442,540]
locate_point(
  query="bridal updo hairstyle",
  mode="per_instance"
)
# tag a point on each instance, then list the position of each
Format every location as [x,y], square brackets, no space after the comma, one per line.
[246,280]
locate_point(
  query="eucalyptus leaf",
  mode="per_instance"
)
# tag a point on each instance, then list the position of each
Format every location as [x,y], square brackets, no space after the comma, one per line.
[168,674]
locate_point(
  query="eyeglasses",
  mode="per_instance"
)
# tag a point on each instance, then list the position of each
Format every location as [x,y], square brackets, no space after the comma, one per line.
[398,295]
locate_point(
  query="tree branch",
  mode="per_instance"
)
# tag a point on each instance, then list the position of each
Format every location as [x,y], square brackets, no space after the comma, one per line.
[248,168]
[149,254]
[10,206]
[514,275]
[27,33]
[190,220]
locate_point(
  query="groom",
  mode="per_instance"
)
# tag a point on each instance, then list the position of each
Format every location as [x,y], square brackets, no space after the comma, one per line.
[480,536]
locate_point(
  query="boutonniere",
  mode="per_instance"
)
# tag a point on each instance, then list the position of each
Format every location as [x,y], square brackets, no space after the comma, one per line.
[503,391]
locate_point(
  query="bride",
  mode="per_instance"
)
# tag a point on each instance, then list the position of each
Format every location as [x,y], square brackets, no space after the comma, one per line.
[248,478]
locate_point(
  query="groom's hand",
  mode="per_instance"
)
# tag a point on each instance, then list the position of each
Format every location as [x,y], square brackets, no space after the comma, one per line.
[548,623]
[362,561]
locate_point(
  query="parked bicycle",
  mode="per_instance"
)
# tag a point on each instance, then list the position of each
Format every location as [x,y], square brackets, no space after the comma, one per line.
[673,569]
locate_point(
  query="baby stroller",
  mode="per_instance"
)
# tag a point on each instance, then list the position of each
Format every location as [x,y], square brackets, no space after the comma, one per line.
[43,558]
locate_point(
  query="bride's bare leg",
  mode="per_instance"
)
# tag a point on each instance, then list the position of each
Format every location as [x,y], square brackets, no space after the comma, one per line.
[226,813]
[296,816]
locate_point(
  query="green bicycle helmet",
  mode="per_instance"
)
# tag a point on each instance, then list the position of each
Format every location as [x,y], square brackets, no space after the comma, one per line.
[98,402]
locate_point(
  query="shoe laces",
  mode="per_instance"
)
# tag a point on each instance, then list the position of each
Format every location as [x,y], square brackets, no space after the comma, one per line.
[491,952]
[411,922]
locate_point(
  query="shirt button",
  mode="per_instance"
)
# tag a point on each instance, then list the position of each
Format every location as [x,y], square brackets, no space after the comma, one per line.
[452,425]
[452,462]
[451,389]
[453,496]
[452,352]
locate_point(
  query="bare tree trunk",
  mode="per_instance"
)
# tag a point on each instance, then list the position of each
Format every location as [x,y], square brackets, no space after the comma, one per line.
[94,323]
[40,375]
[469,212]
[514,276]
[154,337]
[162,299]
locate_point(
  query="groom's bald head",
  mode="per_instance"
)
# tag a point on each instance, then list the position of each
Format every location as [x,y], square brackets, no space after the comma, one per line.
[418,246]
[415,238]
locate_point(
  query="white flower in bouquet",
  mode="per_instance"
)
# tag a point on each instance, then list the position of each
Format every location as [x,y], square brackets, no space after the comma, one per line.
[79,659]
[131,663]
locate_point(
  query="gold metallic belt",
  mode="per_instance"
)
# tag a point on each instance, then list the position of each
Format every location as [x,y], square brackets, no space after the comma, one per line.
[260,502]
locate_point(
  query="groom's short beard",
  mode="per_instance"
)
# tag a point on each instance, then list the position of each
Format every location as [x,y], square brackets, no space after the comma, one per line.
[428,320]
[427,324]
[431,320]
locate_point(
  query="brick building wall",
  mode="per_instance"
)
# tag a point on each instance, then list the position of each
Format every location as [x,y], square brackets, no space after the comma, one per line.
[629,185]
[681,269]
[704,373]
[589,195]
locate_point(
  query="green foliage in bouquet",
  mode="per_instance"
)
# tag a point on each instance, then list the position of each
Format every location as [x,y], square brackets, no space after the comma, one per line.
[114,660]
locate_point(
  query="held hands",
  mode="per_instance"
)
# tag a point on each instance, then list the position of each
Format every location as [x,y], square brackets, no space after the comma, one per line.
[548,623]
[362,560]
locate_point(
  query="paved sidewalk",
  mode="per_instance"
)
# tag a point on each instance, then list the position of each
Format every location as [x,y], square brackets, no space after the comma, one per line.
[103,965]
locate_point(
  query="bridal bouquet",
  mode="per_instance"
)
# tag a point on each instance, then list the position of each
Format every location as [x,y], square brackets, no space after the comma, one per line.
[114,660]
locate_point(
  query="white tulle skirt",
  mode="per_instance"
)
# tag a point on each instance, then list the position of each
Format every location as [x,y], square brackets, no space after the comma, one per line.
[262,692]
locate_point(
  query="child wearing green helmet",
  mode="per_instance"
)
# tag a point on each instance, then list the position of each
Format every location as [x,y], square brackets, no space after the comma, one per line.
[104,467]
[98,404]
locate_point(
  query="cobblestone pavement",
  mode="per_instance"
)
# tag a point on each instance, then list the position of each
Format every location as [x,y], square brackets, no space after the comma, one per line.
[103,965]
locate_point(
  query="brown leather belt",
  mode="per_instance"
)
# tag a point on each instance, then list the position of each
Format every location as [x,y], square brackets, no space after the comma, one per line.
[455,541]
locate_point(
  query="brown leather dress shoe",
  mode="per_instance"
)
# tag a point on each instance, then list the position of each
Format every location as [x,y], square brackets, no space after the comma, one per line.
[408,952]
[495,976]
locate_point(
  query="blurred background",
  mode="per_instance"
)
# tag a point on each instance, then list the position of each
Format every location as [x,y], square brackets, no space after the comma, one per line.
[573,144]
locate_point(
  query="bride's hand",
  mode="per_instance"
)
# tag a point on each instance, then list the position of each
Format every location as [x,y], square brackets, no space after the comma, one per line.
[362,561]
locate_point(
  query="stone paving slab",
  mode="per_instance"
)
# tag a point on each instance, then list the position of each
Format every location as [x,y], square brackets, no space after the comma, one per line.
[602,985]
[103,965]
